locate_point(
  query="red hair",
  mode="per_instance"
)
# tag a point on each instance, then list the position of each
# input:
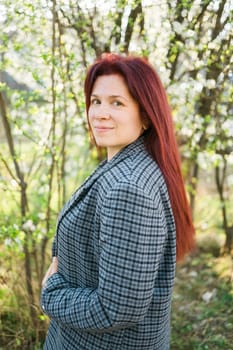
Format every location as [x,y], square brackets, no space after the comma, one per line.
[146,88]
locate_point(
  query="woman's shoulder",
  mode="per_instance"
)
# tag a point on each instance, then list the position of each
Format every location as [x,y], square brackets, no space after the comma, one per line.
[137,170]
[145,172]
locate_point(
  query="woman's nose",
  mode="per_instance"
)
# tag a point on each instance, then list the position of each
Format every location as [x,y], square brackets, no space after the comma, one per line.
[102,113]
[103,116]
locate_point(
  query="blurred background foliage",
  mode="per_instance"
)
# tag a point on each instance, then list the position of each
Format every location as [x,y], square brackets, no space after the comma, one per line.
[45,153]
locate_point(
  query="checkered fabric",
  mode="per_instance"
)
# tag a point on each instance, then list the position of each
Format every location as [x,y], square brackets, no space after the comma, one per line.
[116,245]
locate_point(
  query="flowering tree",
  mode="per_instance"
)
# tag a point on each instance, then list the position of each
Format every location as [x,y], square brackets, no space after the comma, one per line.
[200,72]
[45,50]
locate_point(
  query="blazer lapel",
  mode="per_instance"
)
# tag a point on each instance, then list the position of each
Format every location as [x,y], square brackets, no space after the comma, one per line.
[102,168]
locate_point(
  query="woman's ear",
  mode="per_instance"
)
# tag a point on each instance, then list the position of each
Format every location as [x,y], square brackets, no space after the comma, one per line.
[145,121]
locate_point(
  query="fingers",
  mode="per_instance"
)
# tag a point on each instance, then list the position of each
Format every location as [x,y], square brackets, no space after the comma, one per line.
[46,275]
[55,264]
[51,270]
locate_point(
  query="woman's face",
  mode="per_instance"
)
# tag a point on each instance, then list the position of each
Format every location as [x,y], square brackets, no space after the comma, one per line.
[113,114]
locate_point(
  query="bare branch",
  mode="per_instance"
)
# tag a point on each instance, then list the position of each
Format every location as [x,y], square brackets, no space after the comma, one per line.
[10,142]
[8,169]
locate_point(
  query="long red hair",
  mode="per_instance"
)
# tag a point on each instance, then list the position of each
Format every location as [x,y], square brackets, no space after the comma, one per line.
[146,88]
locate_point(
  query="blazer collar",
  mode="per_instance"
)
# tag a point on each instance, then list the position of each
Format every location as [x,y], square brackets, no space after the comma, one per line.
[106,165]
[102,168]
[127,151]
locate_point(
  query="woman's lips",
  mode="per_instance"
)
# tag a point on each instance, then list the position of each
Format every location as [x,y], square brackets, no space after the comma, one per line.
[102,128]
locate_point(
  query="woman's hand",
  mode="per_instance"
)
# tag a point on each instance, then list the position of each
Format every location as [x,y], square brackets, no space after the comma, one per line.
[51,270]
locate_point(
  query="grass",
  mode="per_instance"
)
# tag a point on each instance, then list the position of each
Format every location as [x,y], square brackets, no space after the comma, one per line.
[202,313]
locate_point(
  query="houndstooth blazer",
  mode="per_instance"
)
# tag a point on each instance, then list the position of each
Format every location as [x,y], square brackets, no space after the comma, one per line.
[116,247]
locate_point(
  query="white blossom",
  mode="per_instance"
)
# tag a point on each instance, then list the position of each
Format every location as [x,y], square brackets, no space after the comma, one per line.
[28,226]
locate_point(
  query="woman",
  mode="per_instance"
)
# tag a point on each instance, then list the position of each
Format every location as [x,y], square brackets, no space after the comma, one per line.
[119,236]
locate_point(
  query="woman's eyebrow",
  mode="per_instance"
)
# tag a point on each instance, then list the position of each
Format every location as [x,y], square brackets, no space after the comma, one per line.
[110,96]
[118,96]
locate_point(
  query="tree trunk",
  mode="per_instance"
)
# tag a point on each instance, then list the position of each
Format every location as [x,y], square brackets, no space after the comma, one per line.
[193,185]
[220,181]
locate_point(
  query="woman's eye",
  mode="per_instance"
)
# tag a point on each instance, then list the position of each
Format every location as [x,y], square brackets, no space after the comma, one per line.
[117,103]
[95,101]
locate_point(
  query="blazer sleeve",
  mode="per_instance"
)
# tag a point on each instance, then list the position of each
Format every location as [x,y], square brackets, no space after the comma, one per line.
[132,239]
